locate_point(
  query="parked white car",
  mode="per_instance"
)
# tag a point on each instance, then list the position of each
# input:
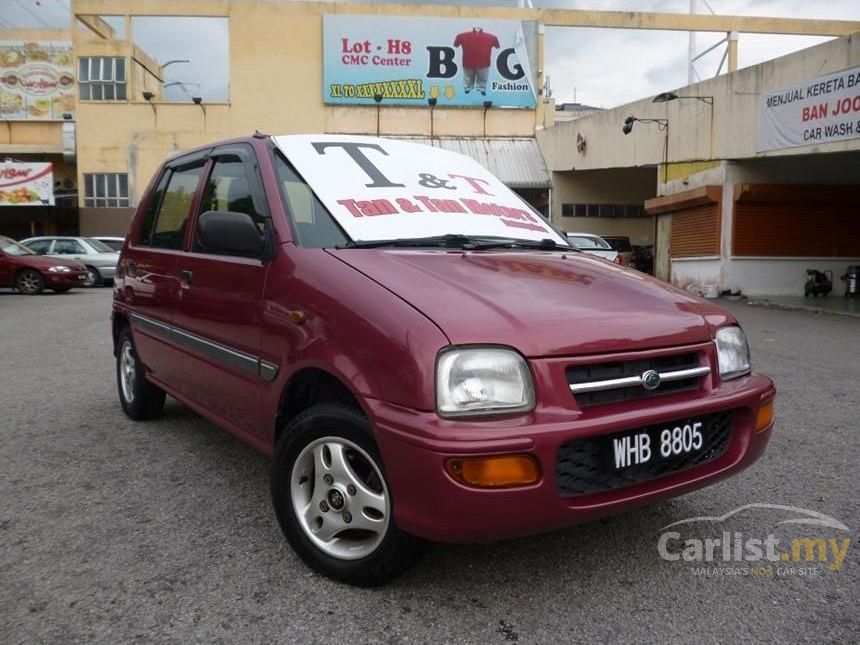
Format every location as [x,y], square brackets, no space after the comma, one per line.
[99,258]
[593,245]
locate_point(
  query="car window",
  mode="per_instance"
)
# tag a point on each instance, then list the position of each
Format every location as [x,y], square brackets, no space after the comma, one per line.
[40,246]
[146,226]
[313,225]
[68,247]
[11,247]
[172,218]
[99,246]
[621,244]
[114,245]
[587,242]
[229,188]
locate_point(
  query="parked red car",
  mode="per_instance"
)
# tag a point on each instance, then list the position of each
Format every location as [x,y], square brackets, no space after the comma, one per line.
[30,274]
[424,357]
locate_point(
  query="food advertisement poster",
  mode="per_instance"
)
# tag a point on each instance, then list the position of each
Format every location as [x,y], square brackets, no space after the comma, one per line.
[408,61]
[26,184]
[37,80]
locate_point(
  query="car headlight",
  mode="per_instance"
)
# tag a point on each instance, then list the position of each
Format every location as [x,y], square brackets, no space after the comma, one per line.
[59,269]
[733,353]
[482,380]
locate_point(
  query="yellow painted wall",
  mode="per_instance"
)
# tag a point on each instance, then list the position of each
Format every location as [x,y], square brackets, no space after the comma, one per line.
[276,71]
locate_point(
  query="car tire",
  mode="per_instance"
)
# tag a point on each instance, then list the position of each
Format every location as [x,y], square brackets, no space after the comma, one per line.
[94,278]
[354,475]
[140,399]
[60,289]
[29,282]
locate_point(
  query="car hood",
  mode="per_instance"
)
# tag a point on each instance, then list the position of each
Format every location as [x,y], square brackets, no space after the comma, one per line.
[46,262]
[543,304]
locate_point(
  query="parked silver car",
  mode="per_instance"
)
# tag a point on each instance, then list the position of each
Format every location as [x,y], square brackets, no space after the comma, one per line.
[99,258]
[593,245]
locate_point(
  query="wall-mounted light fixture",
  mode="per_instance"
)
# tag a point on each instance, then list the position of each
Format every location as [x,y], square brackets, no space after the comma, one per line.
[487,106]
[662,124]
[378,99]
[432,103]
[665,97]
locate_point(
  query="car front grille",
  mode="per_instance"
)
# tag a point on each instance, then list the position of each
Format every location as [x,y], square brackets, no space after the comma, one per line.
[586,466]
[614,381]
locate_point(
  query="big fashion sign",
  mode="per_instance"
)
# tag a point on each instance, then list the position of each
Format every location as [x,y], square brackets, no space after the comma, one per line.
[406,61]
[26,184]
[37,80]
[819,110]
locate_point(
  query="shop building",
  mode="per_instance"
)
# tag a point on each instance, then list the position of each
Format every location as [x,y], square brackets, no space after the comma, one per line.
[746,180]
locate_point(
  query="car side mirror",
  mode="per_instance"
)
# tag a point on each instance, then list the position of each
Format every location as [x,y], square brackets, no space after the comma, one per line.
[229,233]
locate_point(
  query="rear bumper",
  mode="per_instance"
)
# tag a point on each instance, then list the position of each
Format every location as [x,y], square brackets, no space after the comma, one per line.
[429,504]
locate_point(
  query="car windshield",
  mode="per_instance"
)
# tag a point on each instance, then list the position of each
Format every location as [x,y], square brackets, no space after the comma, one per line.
[99,246]
[588,242]
[11,247]
[391,192]
[620,244]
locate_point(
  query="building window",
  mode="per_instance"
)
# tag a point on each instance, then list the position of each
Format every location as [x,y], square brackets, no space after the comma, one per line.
[106,189]
[603,210]
[101,78]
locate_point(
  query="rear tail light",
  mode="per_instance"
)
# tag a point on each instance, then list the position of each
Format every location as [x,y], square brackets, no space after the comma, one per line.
[618,260]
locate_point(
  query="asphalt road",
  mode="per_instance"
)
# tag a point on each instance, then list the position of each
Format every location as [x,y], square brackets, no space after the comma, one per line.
[112,531]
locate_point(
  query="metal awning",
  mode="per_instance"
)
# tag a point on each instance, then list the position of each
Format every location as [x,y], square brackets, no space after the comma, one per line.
[517,162]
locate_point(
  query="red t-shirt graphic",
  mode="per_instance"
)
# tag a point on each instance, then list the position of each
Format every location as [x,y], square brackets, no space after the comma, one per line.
[477,45]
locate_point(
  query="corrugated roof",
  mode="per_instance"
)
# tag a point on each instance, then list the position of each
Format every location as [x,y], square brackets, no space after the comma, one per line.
[517,162]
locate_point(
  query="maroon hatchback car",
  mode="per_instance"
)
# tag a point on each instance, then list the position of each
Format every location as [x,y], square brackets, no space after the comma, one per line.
[30,274]
[422,355]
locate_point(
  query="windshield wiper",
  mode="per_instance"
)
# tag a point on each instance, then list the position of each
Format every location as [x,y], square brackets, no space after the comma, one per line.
[449,241]
[545,244]
[460,241]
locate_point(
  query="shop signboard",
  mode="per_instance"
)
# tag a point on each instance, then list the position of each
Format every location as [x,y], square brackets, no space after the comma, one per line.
[811,112]
[408,61]
[26,184]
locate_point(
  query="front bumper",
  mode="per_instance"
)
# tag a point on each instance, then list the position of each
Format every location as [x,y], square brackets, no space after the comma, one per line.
[107,272]
[70,279]
[429,504]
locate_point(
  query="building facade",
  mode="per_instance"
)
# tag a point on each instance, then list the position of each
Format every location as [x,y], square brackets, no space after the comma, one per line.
[754,176]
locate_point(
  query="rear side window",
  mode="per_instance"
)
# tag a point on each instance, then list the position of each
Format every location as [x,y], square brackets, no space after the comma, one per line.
[172,218]
[312,223]
[69,247]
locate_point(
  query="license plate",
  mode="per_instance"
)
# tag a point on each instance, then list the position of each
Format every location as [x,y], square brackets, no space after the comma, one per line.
[660,443]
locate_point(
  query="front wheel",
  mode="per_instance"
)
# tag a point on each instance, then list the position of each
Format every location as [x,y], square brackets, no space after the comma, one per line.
[30,282]
[140,399]
[333,502]
[94,278]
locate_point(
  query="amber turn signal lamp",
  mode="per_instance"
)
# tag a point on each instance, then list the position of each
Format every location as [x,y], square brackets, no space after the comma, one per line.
[764,416]
[501,471]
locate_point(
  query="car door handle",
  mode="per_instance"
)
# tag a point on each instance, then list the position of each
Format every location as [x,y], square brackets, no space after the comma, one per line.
[185,277]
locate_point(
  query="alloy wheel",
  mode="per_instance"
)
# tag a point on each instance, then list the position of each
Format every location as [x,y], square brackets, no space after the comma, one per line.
[127,373]
[340,498]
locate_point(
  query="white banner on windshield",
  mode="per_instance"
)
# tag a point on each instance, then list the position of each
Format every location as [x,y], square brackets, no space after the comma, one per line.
[382,189]
[819,110]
